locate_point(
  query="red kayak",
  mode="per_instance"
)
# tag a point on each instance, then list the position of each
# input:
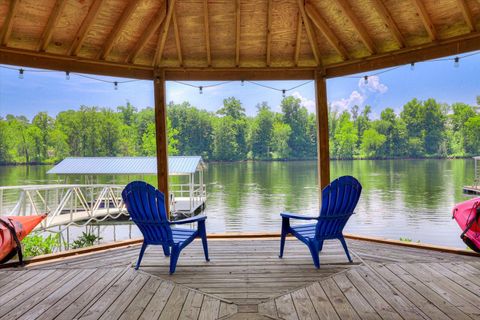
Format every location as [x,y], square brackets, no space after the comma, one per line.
[12,230]
[467,215]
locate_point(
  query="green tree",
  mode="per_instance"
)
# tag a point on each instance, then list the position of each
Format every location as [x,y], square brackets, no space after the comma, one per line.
[261,132]
[296,117]
[372,143]
[280,137]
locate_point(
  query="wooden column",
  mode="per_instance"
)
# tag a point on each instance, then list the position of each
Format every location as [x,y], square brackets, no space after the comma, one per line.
[161,134]
[322,130]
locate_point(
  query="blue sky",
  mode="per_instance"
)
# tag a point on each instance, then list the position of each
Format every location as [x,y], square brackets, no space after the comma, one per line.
[51,92]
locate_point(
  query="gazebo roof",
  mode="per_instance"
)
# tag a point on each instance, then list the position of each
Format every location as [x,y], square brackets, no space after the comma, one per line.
[131,37]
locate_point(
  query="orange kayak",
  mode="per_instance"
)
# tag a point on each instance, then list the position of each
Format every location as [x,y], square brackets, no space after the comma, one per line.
[12,230]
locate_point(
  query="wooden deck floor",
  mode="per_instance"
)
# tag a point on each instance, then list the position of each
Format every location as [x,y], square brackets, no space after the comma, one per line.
[246,280]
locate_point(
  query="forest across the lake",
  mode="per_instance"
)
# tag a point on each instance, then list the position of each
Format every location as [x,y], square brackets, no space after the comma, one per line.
[419,129]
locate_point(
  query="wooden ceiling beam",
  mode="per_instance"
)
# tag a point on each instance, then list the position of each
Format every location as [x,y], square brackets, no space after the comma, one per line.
[310,33]
[250,74]
[84,27]
[358,26]
[117,29]
[207,32]
[51,24]
[467,14]
[147,34]
[322,25]
[298,39]
[162,37]
[389,22]
[269,31]
[433,50]
[44,60]
[177,38]
[8,23]
[237,32]
[427,22]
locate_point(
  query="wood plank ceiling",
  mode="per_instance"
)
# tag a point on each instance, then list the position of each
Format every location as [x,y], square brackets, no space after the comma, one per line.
[233,33]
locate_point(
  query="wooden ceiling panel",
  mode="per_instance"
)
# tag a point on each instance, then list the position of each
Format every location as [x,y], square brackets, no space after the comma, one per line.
[447,17]
[191,29]
[474,6]
[222,32]
[110,12]
[374,25]
[170,57]
[29,21]
[253,30]
[408,21]
[284,32]
[69,22]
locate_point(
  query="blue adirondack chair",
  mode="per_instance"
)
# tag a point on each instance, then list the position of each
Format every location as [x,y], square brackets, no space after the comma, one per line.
[146,206]
[339,199]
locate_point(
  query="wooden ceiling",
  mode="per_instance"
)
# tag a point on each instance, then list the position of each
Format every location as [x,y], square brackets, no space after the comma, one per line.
[336,36]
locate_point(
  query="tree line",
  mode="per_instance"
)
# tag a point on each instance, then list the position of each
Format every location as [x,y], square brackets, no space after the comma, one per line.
[420,129]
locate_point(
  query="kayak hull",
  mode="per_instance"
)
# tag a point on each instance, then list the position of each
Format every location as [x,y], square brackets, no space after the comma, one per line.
[467,215]
[22,225]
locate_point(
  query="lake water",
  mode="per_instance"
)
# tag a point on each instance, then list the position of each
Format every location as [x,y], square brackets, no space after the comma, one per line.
[401,198]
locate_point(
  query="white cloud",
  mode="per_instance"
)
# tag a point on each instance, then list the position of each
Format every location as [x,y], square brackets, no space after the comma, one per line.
[373,87]
[305,102]
[373,84]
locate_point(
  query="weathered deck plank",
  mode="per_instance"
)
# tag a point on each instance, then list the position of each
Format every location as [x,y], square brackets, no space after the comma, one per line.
[386,282]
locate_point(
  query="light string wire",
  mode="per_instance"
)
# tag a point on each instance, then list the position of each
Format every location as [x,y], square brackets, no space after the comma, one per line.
[456,60]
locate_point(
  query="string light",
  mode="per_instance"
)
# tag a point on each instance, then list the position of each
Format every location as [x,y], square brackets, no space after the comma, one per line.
[242,83]
[365,79]
[283,93]
[456,63]
[200,89]
[67,75]
[20,73]
[115,85]
[412,66]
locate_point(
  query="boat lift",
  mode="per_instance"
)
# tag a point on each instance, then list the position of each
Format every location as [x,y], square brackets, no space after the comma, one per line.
[475,188]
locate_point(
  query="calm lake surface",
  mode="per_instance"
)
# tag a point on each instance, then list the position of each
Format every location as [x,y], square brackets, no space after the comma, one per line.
[401,198]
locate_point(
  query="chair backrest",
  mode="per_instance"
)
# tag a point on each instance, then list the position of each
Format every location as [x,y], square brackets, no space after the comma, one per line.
[146,206]
[339,199]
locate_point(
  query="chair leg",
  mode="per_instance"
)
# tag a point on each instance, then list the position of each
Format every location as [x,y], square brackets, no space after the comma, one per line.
[285,229]
[140,256]
[203,234]
[174,258]
[344,244]
[166,250]
[320,245]
[314,252]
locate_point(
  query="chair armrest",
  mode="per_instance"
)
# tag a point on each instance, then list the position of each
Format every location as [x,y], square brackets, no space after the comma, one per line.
[296,216]
[190,220]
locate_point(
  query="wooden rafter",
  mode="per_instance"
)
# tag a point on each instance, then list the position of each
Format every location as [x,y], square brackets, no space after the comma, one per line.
[162,37]
[322,25]
[117,29]
[237,32]
[147,34]
[52,22]
[177,38]
[467,14]
[358,26]
[269,31]
[298,39]
[8,23]
[86,24]
[427,22]
[207,32]
[389,22]
[310,33]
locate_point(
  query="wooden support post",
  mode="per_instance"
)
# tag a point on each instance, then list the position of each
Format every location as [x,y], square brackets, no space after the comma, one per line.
[161,134]
[322,130]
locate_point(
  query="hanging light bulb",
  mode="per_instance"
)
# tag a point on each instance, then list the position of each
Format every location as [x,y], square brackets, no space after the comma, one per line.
[365,78]
[115,85]
[243,83]
[200,90]
[20,73]
[456,63]
[283,93]
[67,75]
[412,66]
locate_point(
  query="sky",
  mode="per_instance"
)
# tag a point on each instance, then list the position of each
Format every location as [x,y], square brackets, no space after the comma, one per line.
[50,91]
